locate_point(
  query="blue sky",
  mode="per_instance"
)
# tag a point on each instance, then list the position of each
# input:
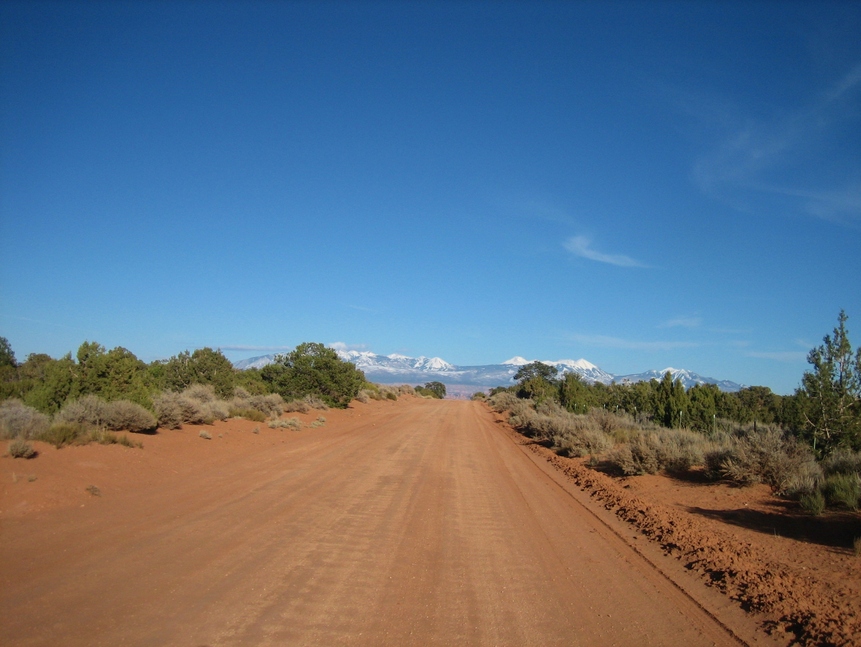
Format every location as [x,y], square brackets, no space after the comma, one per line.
[639,184]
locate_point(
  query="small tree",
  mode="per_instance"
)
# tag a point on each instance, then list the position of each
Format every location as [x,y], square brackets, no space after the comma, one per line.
[537,381]
[314,369]
[7,356]
[574,394]
[436,388]
[671,402]
[833,388]
[203,366]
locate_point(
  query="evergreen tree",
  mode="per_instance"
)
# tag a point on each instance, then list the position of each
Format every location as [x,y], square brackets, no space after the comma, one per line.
[671,402]
[7,356]
[833,388]
[314,369]
[574,394]
[537,381]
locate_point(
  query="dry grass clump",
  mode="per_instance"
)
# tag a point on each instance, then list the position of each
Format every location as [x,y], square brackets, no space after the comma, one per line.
[17,420]
[655,449]
[174,409]
[383,392]
[200,393]
[246,412]
[89,410]
[196,405]
[122,414]
[79,433]
[20,448]
[305,404]
[205,434]
[387,392]
[315,402]
[270,405]
[297,406]
[768,456]
[93,411]
[569,434]
[286,423]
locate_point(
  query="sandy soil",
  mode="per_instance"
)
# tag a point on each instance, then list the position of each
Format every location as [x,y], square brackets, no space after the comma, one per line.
[413,522]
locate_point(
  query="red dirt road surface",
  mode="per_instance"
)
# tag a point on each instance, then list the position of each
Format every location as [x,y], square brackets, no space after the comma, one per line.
[411,523]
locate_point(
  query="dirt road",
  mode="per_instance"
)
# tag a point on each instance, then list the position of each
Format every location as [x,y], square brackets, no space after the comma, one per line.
[421,524]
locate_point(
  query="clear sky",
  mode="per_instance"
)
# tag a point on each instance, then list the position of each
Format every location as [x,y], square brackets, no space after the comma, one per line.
[639,184]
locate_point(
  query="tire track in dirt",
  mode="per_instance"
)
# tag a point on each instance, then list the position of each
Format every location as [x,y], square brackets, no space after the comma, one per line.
[802,609]
[418,523]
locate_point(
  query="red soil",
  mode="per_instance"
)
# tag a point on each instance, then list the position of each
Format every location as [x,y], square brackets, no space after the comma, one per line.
[408,522]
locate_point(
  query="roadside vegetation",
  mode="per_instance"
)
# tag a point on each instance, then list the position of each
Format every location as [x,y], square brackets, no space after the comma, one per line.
[806,446]
[98,392]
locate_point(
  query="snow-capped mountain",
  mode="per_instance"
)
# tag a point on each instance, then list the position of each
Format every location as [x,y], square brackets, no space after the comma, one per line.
[396,364]
[397,368]
[688,378]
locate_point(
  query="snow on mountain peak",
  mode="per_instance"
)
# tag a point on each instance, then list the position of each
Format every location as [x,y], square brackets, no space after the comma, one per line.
[580,363]
[432,364]
[517,360]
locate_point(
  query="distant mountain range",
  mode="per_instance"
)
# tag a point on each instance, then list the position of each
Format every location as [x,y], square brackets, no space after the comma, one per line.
[389,369]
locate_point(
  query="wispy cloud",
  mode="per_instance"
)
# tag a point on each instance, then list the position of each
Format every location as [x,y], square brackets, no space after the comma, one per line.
[630,344]
[360,308]
[683,322]
[760,157]
[582,246]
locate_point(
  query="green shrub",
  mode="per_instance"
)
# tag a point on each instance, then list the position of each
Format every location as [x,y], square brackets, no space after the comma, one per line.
[66,433]
[812,502]
[842,461]
[311,368]
[842,489]
[248,414]
[20,448]
[479,395]
[17,420]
